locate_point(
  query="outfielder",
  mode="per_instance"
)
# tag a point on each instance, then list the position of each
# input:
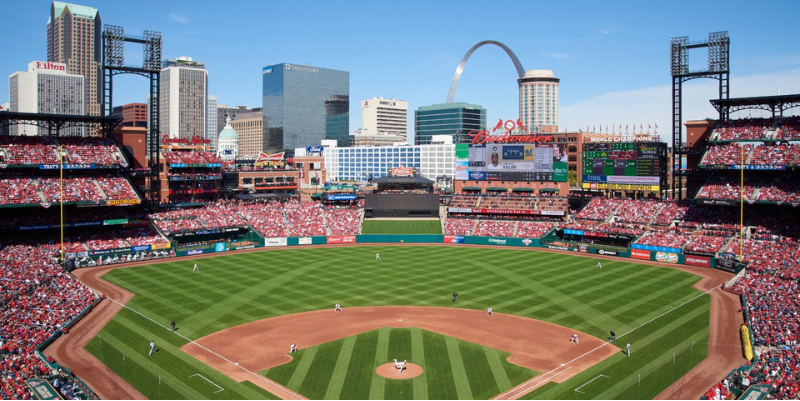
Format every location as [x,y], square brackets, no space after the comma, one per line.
[628,349]
[195,268]
[599,265]
[152,347]
[377,256]
[455,297]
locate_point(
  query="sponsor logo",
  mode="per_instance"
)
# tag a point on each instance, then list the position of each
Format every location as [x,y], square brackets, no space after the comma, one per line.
[141,248]
[267,70]
[304,241]
[281,241]
[219,247]
[605,252]
[402,172]
[700,261]
[341,239]
[583,248]
[245,247]
[640,254]
[668,257]
[560,248]
[527,241]
[497,241]
[3,165]
[51,66]
[314,149]
[483,137]
[195,140]
[454,239]
[195,252]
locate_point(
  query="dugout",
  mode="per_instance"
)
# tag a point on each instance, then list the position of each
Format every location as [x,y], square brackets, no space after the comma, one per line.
[402,197]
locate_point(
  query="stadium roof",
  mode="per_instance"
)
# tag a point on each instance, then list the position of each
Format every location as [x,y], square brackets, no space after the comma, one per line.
[776,104]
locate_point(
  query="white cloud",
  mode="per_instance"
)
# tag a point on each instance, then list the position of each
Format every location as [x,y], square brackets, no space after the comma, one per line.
[557,56]
[654,106]
[178,18]
[606,31]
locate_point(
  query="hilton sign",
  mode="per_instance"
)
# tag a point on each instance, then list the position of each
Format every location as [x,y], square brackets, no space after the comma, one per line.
[47,65]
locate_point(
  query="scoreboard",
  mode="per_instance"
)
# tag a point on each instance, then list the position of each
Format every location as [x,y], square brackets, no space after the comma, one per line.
[624,165]
[506,162]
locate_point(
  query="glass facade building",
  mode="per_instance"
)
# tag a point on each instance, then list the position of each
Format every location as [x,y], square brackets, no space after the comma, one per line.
[360,163]
[453,119]
[303,105]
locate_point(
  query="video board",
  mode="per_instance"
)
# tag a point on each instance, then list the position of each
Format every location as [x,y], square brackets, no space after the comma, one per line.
[505,162]
[623,165]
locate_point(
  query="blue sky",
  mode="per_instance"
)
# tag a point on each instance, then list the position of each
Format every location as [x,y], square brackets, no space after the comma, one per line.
[612,57]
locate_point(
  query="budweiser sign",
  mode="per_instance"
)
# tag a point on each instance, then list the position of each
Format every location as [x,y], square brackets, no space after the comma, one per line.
[275,157]
[483,137]
[195,140]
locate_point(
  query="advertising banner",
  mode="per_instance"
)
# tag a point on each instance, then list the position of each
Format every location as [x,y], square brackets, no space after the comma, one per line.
[165,245]
[656,248]
[721,202]
[304,241]
[219,247]
[629,187]
[454,239]
[122,202]
[640,254]
[342,197]
[507,211]
[341,239]
[281,241]
[668,257]
[605,252]
[697,260]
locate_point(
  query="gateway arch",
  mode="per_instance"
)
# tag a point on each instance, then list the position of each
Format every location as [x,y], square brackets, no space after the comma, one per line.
[454,85]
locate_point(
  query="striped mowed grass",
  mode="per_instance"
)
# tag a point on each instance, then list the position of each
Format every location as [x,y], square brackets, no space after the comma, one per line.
[345,369]
[401,227]
[563,289]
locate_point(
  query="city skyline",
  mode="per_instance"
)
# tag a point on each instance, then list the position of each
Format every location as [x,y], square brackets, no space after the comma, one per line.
[612,61]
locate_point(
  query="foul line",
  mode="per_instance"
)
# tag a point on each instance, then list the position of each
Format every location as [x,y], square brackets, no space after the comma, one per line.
[262,378]
[214,384]
[525,390]
[584,384]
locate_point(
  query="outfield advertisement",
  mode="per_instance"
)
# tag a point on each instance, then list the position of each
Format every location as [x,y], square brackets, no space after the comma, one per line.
[668,257]
[304,241]
[341,239]
[697,260]
[506,211]
[454,239]
[640,254]
[656,248]
[275,241]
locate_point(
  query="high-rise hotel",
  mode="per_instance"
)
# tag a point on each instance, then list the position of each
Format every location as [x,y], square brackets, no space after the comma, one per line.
[538,99]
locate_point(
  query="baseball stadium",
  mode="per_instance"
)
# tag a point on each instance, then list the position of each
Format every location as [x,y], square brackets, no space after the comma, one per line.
[139,266]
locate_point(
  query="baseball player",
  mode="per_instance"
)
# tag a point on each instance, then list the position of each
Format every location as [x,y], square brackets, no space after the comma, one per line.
[337,308]
[455,297]
[628,349]
[599,265]
[613,336]
[293,348]
[173,325]
[489,311]
[574,338]
[152,348]
[377,256]
[195,268]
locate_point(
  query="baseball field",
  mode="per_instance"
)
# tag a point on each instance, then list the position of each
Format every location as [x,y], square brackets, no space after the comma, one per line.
[240,307]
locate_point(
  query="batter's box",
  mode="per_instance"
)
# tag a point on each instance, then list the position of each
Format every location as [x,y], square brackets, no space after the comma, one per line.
[207,383]
[587,387]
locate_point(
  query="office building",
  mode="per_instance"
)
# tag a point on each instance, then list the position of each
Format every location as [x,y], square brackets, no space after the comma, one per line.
[365,137]
[538,99]
[361,163]
[74,39]
[46,88]
[453,119]
[223,110]
[184,98]
[385,116]
[133,114]
[250,129]
[304,105]
[211,121]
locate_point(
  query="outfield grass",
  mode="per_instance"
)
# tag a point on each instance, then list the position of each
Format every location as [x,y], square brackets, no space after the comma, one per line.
[445,375]
[402,227]
[563,289]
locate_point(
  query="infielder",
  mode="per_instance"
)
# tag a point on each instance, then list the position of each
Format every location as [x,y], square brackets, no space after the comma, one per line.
[489,311]
[293,348]
[613,336]
[574,338]
[337,308]
[195,268]
[152,347]
[455,297]
[377,256]
[628,349]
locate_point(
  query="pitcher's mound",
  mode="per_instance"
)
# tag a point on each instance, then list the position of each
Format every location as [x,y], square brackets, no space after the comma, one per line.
[388,371]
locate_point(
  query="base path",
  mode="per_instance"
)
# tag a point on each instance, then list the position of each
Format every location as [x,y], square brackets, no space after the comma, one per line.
[264,344]
[390,371]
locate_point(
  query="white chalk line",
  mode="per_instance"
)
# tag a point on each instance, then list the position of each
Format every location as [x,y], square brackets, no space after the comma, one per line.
[523,385]
[260,377]
[585,384]
[206,379]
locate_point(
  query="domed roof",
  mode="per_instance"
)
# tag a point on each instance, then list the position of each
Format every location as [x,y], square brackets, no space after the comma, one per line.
[228,132]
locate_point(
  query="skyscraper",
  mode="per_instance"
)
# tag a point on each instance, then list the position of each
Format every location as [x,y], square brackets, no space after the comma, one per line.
[211,121]
[74,38]
[385,116]
[538,99]
[448,119]
[184,98]
[304,105]
[46,88]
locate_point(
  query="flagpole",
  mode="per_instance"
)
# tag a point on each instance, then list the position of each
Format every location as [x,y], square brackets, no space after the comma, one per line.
[61,185]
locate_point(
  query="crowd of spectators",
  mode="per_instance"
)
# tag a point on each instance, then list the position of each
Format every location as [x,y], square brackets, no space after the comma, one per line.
[27,150]
[84,150]
[780,154]
[343,221]
[726,190]
[116,187]
[788,128]
[669,239]
[32,190]
[742,129]
[19,191]
[304,219]
[708,243]
[76,189]
[727,154]
[495,228]
[670,212]
[639,211]
[599,209]
[38,299]
[33,150]
[534,229]
[455,226]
